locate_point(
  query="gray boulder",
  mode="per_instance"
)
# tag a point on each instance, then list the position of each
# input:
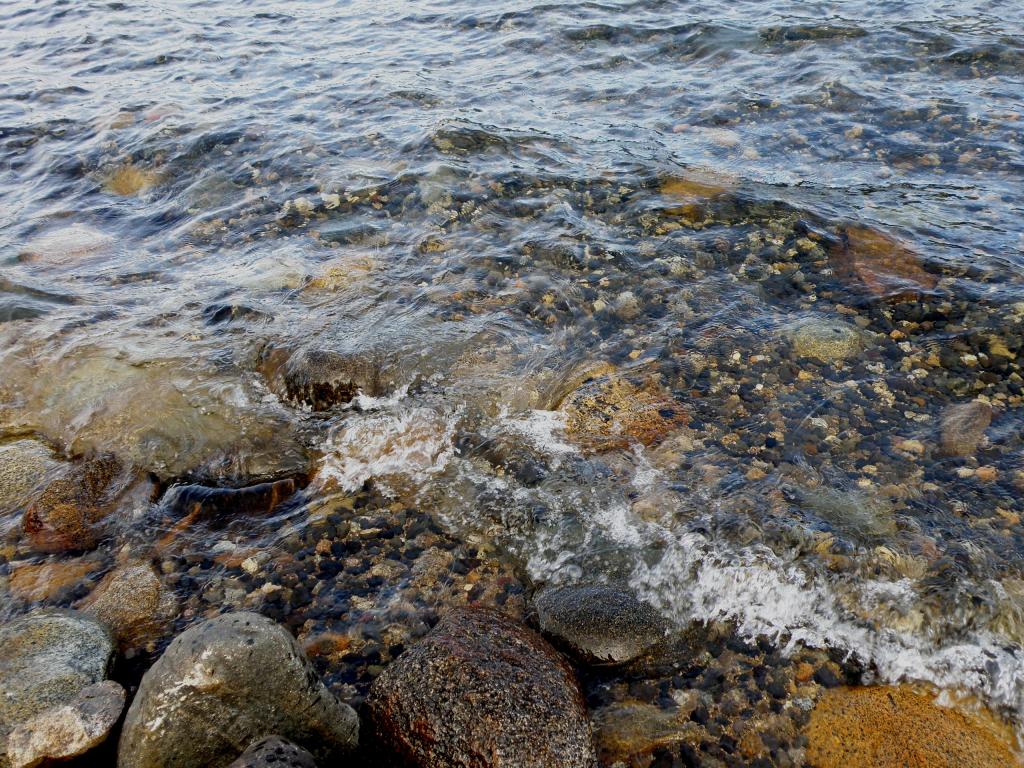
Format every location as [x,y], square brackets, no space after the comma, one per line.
[223,684]
[481,691]
[47,658]
[598,623]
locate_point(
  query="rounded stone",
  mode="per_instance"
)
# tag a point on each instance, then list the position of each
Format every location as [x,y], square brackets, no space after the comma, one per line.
[133,603]
[481,691]
[47,658]
[274,751]
[598,623]
[223,684]
[829,341]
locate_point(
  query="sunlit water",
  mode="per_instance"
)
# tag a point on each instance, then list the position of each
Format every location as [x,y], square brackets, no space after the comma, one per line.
[486,204]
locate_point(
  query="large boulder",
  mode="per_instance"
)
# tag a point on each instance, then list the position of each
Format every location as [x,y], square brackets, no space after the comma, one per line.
[482,691]
[223,684]
[47,658]
[598,623]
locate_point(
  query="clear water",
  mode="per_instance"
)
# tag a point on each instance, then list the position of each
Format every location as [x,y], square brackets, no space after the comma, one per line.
[486,202]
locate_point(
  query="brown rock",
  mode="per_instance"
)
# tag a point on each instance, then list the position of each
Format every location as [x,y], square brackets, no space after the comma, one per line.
[880,264]
[609,411]
[963,427]
[901,727]
[133,603]
[322,378]
[632,729]
[67,730]
[481,691]
[48,581]
[67,515]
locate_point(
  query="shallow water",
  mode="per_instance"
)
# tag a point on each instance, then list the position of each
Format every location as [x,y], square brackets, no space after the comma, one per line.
[495,209]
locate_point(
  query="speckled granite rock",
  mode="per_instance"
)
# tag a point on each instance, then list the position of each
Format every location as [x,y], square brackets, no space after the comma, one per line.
[482,691]
[274,751]
[598,623]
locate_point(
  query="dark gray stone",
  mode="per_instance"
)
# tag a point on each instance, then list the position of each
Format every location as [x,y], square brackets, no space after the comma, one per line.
[598,623]
[223,684]
[274,752]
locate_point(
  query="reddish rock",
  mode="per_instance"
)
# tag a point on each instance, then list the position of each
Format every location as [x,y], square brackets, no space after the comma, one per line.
[880,264]
[482,691]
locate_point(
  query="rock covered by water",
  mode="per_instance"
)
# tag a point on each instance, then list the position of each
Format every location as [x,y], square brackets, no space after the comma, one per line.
[47,659]
[322,378]
[223,684]
[481,690]
[963,427]
[598,623]
[134,604]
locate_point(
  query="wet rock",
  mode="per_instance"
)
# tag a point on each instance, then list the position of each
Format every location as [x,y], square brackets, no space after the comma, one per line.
[598,623]
[610,411]
[345,232]
[25,467]
[223,684]
[879,264]
[128,180]
[829,341]
[133,603]
[47,658]
[321,378]
[49,581]
[202,503]
[67,245]
[963,427]
[67,730]
[342,273]
[67,515]
[882,727]
[631,729]
[481,690]
[274,751]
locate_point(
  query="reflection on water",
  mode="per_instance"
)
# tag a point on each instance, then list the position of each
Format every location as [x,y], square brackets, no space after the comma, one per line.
[720,301]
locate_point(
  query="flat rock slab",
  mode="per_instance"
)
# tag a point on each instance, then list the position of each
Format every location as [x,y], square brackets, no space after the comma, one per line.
[67,730]
[47,658]
[598,623]
[482,691]
[223,684]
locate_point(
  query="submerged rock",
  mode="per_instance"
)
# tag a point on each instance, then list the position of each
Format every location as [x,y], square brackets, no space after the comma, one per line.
[47,658]
[631,729]
[223,684]
[67,245]
[199,502]
[133,603]
[128,180]
[879,264]
[67,515]
[67,730]
[322,378]
[49,581]
[608,411]
[481,690]
[25,467]
[963,427]
[883,727]
[598,623]
[274,752]
[829,341]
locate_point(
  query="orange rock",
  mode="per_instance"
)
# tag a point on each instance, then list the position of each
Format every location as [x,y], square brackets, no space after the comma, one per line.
[133,603]
[609,411]
[880,264]
[47,581]
[902,727]
[696,186]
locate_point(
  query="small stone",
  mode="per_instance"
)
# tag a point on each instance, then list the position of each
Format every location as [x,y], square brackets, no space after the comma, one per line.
[826,340]
[67,730]
[322,378]
[803,672]
[880,264]
[598,623]
[129,180]
[274,752]
[631,730]
[67,245]
[25,468]
[986,474]
[49,581]
[963,427]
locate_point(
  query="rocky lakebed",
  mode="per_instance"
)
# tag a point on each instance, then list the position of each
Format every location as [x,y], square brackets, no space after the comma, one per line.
[597,385]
